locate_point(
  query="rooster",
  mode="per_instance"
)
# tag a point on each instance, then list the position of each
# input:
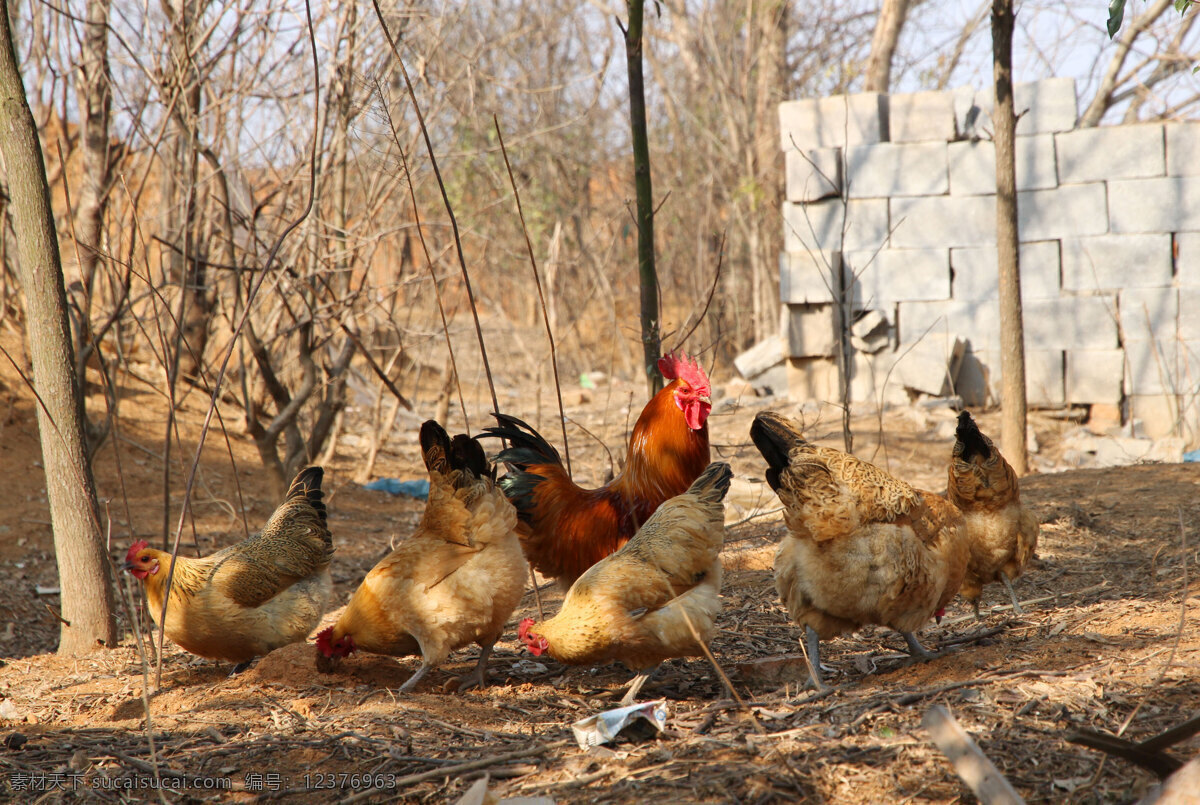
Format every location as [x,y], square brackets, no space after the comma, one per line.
[454,581]
[862,547]
[253,597]
[566,529]
[653,598]
[1002,534]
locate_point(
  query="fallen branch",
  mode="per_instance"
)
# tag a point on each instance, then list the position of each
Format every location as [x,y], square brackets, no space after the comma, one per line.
[969,761]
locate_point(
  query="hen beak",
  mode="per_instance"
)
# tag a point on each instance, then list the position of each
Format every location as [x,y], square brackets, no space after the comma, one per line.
[704,398]
[128,566]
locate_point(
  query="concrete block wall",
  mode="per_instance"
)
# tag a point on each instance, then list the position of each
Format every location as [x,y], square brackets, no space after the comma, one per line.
[895,197]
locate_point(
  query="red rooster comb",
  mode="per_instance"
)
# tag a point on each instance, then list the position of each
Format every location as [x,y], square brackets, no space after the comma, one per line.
[684,368]
[324,638]
[135,549]
[523,629]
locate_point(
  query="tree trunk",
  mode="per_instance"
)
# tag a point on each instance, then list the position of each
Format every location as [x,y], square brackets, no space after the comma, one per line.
[892,15]
[766,236]
[1012,328]
[651,339]
[83,569]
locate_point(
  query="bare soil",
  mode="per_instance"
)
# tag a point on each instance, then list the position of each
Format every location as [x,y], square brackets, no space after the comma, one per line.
[1107,642]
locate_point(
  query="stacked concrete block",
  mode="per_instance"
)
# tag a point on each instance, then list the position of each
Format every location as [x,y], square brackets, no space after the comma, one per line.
[1065,212]
[976,272]
[811,331]
[922,117]
[1108,262]
[939,221]
[808,277]
[1112,152]
[1148,313]
[1187,259]
[832,225]
[813,174]
[1094,375]
[973,165]
[880,278]
[1183,149]
[885,170]
[1045,382]
[1109,222]
[1170,204]
[835,122]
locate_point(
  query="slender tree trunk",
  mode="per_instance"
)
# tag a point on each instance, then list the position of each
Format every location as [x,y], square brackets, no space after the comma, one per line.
[83,569]
[766,236]
[651,338]
[1012,328]
[892,15]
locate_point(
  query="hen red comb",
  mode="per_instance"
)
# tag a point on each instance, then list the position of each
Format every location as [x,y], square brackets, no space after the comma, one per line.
[323,641]
[684,368]
[135,549]
[523,629]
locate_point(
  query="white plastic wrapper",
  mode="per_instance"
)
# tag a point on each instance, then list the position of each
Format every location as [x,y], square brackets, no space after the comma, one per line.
[647,718]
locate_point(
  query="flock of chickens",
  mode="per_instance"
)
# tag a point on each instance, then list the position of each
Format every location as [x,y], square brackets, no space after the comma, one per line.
[639,557]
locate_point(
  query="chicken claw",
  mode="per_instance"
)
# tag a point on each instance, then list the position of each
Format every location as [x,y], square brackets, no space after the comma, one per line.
[478,677]
[918,651]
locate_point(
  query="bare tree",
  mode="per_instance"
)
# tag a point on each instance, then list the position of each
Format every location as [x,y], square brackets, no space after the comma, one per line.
[83,568]
[1012,329]
[892,14]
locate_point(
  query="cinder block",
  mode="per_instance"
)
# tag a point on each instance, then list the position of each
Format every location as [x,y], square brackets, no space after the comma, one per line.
[1081,322]
[812,379]
[820,225]
[1094,376]
[1045,383]
[814,174]
[973,382]
[1187,259]
[1148,313]
[1067,211]
[1183,149]
[808,276]
[977,322]
[1116,261]
[873,384]
[976,274]
[811,331]
[1044,107]
[973,165]
[1152,366]
[1171,204]
[925,365]
[888,276]
[1111,152]
[1160,416]
[921,117]
[934,223]
[883,170]
[842,120]
[760,357]
[969,116]
[1189,314]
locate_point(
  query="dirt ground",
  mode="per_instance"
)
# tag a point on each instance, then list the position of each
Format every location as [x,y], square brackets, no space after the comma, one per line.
[1107,642]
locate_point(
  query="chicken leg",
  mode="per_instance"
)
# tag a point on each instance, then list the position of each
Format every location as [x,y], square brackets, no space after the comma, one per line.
[812,644]
[1013,593]
[918,651]
[478,677]
[415,678]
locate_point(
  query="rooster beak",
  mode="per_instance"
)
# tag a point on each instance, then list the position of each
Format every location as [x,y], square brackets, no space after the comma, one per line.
[127,566]
[704,398]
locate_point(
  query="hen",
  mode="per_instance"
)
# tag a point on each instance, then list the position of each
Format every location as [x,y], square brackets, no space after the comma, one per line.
[253,597]
[641,604]
[454,581]
[862,547]
[566,529]
[1002,534]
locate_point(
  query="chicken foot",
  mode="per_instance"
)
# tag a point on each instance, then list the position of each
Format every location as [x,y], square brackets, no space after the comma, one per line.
[636,685]
[478,677]
[918,651]
[242,666]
